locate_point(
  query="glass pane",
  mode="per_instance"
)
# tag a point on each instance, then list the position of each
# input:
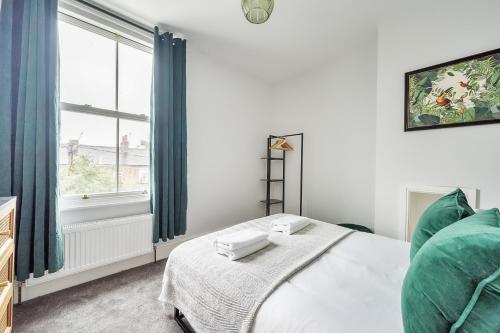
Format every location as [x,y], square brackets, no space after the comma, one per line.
[134,87]
[87,67]
[134,156]
[87,154]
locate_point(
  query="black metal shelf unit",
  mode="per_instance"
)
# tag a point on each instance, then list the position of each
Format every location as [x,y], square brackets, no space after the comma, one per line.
[269,158]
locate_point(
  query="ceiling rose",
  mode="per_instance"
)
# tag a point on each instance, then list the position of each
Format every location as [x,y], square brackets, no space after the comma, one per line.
[257,11]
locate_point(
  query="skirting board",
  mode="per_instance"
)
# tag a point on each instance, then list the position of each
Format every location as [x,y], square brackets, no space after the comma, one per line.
[162,252]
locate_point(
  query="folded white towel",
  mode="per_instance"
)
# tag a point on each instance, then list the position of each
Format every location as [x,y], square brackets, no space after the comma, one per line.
[240,239]
[289,224]
[242,251]
[288,218]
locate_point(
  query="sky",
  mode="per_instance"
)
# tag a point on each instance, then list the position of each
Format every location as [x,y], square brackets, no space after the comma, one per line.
[88,76]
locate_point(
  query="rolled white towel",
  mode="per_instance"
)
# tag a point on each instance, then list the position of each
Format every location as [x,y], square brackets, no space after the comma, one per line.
[242,251]
[239,239]
[289,224]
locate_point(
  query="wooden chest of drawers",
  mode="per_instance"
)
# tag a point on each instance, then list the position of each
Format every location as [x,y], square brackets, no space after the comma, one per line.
[7,232]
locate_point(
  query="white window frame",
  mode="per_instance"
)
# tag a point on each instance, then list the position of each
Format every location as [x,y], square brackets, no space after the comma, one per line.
[100,198]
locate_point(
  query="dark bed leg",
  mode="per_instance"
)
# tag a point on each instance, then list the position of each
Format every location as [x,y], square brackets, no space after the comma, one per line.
[182,321]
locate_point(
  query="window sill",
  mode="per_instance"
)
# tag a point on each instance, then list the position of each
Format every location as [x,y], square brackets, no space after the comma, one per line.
[69,204]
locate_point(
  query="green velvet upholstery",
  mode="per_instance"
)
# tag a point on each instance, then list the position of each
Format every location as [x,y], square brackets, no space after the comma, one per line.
[445,211]
[484,306]
[453,284]
[356,227]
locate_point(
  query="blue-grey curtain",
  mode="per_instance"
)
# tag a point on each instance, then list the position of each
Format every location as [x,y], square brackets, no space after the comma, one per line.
[29,126]
[168,137]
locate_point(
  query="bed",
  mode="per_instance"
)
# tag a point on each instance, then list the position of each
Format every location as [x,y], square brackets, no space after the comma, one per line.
[353,284]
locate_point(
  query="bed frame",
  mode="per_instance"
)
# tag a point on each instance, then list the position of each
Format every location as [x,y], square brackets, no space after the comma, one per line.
[182,321]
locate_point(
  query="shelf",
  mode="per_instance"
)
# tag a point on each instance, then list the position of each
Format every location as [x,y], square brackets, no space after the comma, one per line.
[272,201]
[272,158]
[272,180]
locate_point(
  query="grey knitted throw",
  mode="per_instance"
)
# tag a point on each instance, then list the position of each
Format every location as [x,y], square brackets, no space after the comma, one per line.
[219,295]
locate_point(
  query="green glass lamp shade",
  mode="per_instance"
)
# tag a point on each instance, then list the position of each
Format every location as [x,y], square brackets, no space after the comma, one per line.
[257,11]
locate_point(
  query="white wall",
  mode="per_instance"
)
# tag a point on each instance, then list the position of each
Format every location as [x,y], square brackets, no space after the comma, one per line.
[227,112]
[466,156]
[334,105]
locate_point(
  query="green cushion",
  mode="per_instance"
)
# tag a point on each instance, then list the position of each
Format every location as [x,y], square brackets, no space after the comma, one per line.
[484,306]
[445,211]
[356,227]
[453,284]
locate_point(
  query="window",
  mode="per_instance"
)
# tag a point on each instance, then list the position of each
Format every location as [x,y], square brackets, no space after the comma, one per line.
[105,83]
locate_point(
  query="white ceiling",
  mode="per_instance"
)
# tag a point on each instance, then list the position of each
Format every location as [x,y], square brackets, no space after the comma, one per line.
[300,34]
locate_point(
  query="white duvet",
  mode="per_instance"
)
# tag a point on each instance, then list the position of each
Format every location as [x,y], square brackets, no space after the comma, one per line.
[353,287]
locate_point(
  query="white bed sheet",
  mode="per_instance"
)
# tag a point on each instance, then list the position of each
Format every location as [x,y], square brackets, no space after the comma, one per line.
[353,287]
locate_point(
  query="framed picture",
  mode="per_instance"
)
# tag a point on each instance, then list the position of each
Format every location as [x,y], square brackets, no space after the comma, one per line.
[457,93]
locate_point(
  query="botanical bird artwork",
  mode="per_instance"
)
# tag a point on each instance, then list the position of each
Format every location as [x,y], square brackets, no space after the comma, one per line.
[465,85]
[462,92]
[443,100]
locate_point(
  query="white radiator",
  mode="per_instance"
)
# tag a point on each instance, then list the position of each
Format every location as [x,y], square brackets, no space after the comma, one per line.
[93,244]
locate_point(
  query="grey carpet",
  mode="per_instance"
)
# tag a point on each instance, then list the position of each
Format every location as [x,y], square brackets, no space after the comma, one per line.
[124,302]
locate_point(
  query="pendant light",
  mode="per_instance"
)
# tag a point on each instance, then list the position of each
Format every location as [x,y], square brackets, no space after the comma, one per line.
[257,11]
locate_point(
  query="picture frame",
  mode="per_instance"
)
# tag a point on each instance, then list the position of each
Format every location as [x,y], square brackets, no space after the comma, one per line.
[461,92]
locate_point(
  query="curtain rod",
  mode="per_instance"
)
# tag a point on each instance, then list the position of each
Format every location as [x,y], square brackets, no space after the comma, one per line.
[116,16]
